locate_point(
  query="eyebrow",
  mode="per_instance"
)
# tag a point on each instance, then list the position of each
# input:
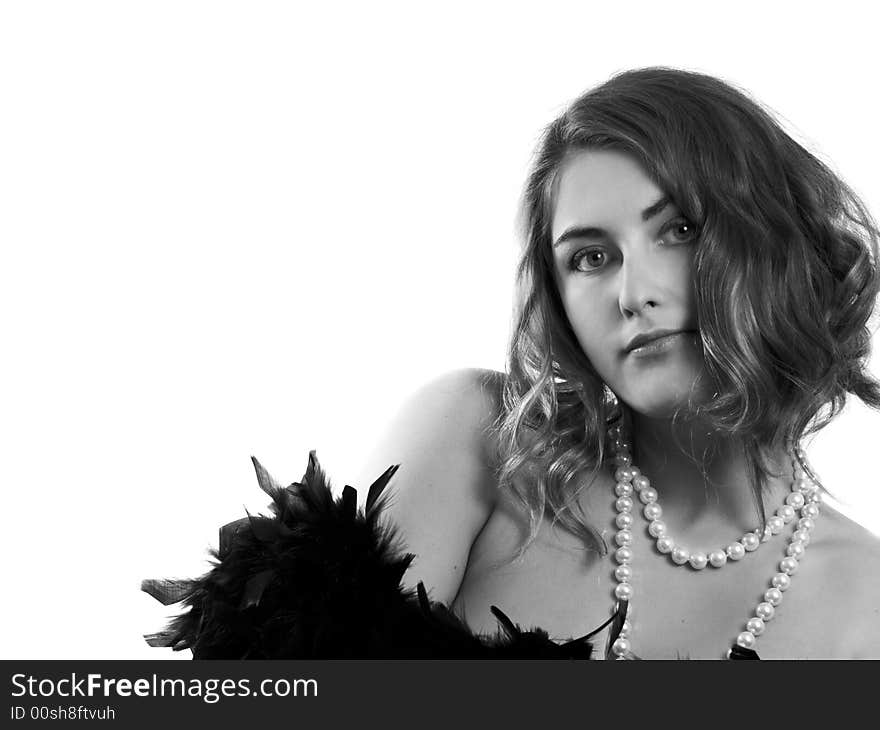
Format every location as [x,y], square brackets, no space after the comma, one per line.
[594,232]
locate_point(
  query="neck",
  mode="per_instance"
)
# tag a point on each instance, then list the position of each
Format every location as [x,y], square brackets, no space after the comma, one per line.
[702,477]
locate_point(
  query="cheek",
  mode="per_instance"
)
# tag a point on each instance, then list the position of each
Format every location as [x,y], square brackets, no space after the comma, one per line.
[686,283]
[594,331]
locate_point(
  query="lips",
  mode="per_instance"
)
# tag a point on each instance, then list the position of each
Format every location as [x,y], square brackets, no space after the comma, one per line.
[649,337]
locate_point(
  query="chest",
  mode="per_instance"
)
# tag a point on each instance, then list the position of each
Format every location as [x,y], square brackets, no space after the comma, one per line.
[567,590]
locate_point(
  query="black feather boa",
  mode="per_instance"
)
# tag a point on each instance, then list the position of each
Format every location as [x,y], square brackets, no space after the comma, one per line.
[321,579]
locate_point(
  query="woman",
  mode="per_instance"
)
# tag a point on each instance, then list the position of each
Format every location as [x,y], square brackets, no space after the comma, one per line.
[695,294]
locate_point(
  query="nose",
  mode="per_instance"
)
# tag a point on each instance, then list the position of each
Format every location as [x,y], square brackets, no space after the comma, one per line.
[638,287]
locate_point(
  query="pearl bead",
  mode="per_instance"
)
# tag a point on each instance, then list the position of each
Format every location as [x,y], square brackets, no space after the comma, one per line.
[623,474]
[750,541]
[736,551]
[802,484]
[698,561]
[746,640]
[623,538]
[680,555]
[717,558]
[624,520]
[657,528]
[623,591]
[623,459]
[775,524]
[620,646]
[624,504]
[796,549]
[626,628]
[795,499]
[773,596]
[781,581]
[805,523]
[802,536]
[816,498]
[623,555]
[623,489]
[653,511]
[623,573]
[755,626]
[765,610]
[788,565]
[786,512]
[648,495]
[641,482]
[665,544]
[810,510]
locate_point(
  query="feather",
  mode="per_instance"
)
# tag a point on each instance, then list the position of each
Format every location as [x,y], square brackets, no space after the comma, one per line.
[377,487]
[397,572]
[262,527]
[228,533]
[167,590]
[422,594]
[265,480]
[509,627]
[161,639]
[349,502]
[616,627]
[315,479]
[598,628]
[580,645]
[738,652]
[255,587]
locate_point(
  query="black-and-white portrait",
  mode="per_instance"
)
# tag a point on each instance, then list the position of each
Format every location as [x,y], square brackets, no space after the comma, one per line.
[599,281]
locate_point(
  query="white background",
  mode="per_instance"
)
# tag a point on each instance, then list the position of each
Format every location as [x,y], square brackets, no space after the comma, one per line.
[254,228]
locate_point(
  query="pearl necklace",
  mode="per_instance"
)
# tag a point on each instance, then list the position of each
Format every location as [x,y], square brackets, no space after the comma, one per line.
[804,497]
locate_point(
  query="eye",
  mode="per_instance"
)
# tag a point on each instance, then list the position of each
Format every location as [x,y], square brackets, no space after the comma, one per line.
[681,230]
[588,259]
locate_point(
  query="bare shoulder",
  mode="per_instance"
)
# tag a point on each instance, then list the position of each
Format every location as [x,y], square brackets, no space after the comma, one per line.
[842,539]
[848,555]
[457,408]
[444,490]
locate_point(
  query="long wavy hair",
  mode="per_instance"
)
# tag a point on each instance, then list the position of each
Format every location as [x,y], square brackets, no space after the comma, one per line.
[786,278]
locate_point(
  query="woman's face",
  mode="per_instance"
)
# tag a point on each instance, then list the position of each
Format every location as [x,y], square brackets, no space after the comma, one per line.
[623,260]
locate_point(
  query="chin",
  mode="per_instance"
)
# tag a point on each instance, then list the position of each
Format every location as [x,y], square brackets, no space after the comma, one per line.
[659,394]
[662,400]
[660,410]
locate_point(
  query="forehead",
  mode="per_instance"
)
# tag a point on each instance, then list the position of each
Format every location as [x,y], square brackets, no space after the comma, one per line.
[603,188]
